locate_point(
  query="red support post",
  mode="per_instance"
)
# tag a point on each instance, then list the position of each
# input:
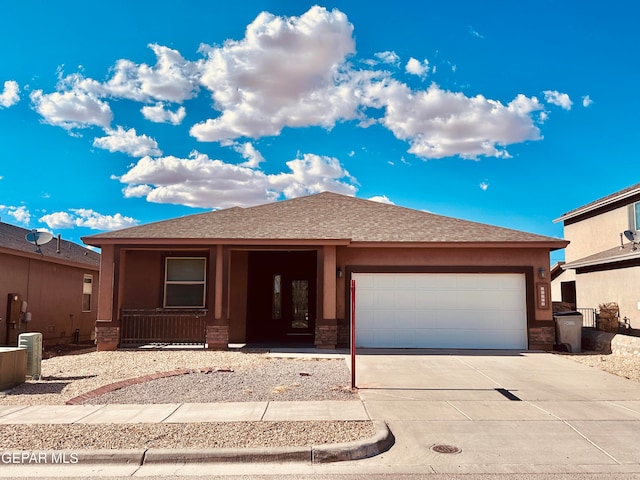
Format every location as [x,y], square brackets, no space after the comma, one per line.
[353,334]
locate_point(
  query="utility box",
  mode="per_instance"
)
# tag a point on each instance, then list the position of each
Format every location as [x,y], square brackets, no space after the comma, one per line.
[13,365]
[569,330]
[32,342]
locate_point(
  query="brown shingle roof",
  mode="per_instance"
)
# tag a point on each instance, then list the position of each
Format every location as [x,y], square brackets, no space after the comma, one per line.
[324,216]
[601,202]
[13,238]
[613,255]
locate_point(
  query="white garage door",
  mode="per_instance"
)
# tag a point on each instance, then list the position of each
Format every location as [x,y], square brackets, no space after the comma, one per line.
[440,310]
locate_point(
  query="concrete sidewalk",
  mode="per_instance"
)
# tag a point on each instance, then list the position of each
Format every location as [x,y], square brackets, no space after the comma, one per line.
[184,412]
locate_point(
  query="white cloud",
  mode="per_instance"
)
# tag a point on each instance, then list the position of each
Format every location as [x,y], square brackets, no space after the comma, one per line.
[416,67]
[313,174]
[382,199]
[171,79]
[556,98]
[484,186]
[10,95]
[20,214]
[58,220]
[474,33]
[252,156]
[82,217]
[71,109]
[586,101]
[199,181]
[389,57]
[293,72]
[129,142]
[439,123]
[160,113]
[281,74]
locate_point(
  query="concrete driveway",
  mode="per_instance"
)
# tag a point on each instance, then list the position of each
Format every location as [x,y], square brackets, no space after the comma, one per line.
[505,411]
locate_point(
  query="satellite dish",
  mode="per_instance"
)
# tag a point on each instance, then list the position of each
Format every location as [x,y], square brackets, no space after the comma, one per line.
[631,235]
[38,238]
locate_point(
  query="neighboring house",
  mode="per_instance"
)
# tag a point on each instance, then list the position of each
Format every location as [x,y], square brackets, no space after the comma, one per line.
[52,291]
[281,272]
[602,266]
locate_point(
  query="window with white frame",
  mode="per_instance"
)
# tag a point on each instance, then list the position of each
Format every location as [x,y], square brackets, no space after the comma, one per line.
[636,225]
[87,292]
[185,282]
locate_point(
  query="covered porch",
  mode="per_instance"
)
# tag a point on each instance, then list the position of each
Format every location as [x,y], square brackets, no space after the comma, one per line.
[214,295]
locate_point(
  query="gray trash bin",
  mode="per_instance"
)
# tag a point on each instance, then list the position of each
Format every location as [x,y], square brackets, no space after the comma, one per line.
[569,330]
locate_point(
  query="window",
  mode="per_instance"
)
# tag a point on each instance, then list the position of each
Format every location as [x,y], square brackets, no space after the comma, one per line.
[636,225]
[87,291]
[276,300]
[185,284]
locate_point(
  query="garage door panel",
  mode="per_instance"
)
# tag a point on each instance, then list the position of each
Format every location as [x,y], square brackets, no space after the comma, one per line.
[405,299]
[441,310]
[404,318]
[384,281]
[404,281]
[426,300]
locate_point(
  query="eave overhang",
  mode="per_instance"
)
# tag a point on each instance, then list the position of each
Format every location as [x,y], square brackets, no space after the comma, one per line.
[48,259]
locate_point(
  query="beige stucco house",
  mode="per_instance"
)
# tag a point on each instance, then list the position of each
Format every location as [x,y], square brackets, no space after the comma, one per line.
[601,264]
[52,291]
[282,272]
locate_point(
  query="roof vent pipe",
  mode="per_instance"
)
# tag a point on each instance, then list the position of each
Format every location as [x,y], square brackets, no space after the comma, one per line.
[58,244]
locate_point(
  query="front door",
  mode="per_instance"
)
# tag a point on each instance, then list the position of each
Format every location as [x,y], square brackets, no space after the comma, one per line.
[282,296]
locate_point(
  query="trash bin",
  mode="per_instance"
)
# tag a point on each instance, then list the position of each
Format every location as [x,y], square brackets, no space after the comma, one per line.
[569,330]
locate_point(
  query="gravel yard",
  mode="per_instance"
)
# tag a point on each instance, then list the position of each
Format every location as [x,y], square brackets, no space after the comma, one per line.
[67,376]
[235,376]
[181,435]
[627,367]
[274,379]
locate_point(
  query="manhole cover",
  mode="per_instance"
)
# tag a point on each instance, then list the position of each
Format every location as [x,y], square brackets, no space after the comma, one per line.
[446,449]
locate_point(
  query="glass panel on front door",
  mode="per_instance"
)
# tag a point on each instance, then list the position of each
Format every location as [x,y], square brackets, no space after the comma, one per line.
[300,304]
[276,300]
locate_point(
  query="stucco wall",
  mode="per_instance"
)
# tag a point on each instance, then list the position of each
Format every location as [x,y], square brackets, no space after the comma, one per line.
[143,279]
[595,234]
[534,258]
[238,297]
[565,276]
[620,286]
[54,296]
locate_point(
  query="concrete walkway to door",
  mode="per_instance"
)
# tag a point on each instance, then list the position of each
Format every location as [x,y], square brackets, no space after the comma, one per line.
[499,411]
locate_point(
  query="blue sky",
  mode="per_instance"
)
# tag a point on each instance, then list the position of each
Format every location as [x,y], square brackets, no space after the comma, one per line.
[121,113]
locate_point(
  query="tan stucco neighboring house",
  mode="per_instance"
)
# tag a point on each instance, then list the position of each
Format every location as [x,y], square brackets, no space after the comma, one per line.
[281,272]
[602,265]
[52,291]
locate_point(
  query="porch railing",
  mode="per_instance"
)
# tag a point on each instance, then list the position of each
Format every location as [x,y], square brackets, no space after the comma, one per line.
[588,316]
[139,327]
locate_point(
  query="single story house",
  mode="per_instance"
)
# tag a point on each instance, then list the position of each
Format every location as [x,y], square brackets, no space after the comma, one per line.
[601,264]
[48,289]
[282,272]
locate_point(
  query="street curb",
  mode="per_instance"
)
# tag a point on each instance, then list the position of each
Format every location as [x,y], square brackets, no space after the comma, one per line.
[380,442]
[227,455]
[106,456]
